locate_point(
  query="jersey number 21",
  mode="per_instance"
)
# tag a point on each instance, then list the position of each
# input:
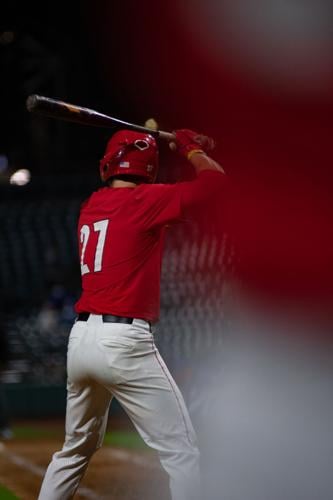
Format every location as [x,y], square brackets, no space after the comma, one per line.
[100,227]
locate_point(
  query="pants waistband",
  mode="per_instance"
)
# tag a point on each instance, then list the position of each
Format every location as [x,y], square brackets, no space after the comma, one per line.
[107,318]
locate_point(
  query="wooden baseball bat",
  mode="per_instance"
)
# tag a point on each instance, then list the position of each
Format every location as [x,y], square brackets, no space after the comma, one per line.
[85,116]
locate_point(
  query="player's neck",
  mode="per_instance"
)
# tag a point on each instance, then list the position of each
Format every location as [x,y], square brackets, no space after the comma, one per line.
[119,183]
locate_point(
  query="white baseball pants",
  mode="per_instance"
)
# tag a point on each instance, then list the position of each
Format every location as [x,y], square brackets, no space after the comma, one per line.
[120,360]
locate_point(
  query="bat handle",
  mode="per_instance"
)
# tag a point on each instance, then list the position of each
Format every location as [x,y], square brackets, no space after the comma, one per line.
[168,136]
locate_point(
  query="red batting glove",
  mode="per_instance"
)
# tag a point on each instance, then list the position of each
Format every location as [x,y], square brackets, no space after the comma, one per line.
[187,142]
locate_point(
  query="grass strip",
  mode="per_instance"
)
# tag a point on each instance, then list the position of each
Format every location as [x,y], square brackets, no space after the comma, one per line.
[122,439]
[125,439]
[5,494]
[33,433]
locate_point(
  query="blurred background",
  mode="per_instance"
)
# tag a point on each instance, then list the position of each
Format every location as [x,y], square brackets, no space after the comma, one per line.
[246,312]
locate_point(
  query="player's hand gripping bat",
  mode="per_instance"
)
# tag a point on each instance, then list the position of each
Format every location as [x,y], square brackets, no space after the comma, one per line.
[70,112]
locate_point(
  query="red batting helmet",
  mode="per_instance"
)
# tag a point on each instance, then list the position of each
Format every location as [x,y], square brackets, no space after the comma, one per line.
[130,153]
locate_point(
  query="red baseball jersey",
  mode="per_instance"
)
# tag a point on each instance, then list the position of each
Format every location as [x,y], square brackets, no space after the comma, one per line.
[120,233]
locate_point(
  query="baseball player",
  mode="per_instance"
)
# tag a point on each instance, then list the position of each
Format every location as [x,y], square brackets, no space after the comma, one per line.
[111,350]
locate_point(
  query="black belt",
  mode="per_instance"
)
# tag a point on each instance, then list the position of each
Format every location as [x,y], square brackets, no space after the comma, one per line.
[107,318]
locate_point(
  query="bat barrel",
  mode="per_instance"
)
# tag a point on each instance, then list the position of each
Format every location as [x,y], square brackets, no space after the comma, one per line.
[54,108]
[32,102]
[70,112]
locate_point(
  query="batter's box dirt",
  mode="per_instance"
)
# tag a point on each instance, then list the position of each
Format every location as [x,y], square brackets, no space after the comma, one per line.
[113,473]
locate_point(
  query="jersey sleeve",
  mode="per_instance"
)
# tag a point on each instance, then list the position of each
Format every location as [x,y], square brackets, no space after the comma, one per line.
[169,203]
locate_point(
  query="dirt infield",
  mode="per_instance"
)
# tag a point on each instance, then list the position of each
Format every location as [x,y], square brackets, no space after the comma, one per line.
[115,473]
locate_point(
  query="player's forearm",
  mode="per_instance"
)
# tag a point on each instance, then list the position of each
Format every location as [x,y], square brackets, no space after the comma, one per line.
[206,187]
[201,161]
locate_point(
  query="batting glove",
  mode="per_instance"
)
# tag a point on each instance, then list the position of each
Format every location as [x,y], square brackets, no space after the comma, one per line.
[187,143]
